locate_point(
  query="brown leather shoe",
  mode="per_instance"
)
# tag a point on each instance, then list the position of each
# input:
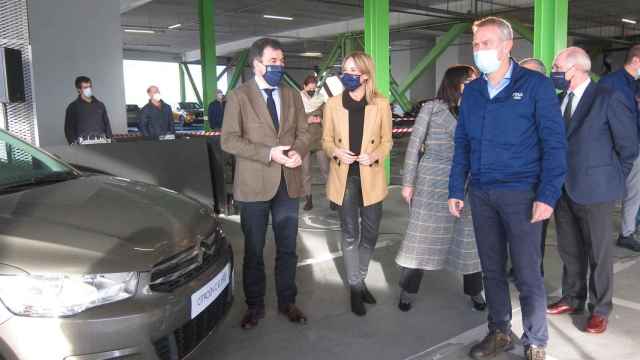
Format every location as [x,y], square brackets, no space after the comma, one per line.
[561,307]
[293,313]
[597,324]
[252,317]
[493,344]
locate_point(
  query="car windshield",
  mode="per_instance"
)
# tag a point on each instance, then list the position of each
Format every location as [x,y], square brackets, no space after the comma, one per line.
[22,164]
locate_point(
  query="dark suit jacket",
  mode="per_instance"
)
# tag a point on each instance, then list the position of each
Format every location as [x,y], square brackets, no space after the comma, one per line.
[249,134]
[602,145]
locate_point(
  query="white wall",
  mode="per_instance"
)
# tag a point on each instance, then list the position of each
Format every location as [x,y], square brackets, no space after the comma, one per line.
[71,38]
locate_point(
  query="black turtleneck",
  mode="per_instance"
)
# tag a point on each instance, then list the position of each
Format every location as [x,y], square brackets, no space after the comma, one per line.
[356,127]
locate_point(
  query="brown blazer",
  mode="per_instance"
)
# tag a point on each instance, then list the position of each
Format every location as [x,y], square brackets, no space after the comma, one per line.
[376,138]
[249,134]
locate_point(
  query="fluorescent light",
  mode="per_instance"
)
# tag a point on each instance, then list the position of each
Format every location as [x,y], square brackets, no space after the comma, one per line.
[277,17]
[175,26]
[629,21]
[138,31]
[311,54]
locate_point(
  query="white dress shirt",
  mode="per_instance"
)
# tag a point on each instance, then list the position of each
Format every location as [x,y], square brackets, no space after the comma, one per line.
[577,95]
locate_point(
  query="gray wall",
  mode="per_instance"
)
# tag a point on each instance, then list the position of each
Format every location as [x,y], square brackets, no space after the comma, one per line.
[71,38]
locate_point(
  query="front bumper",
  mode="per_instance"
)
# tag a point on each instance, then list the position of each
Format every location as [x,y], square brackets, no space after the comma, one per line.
[150,325]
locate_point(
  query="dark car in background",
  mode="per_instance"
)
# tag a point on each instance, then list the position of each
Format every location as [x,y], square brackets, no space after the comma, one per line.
[133,112]
[101,267]
[193,113]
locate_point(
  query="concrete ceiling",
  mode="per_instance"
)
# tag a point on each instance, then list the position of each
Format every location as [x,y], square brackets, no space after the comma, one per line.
[315,22]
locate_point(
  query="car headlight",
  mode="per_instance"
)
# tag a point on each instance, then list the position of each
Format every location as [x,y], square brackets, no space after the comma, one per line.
[56,295]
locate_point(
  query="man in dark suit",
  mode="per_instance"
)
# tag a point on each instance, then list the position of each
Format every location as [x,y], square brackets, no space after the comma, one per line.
[602,136]
[265,128]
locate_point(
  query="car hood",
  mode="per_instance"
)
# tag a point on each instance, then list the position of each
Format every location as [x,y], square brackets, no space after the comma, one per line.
[98,224]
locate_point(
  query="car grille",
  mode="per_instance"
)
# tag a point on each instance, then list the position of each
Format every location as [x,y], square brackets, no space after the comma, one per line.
[185,339]
[180,269]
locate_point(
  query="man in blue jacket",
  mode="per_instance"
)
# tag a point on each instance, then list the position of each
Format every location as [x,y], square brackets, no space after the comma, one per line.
[511,140]
[602,146]
[626,81]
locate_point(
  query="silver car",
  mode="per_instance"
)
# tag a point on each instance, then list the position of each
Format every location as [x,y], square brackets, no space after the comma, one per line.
[97,267]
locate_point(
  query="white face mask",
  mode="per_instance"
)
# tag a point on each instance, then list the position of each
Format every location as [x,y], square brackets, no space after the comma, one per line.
[87,92]
[487,60]
[156,97]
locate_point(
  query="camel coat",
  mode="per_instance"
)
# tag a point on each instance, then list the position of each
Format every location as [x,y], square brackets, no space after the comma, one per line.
[376,139]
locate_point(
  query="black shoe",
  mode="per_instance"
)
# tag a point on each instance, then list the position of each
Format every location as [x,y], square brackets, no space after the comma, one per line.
[357,305]
[333,206]
[308,205]
[478,302]
[404,306]
[629,242]
[367,298]
[493,344]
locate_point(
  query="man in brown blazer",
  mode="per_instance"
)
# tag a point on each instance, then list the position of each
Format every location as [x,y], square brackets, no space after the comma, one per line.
[265,127]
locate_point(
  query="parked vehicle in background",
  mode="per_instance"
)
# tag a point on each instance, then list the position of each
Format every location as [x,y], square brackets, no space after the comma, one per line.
[192,111]
[100,267]
[133,112]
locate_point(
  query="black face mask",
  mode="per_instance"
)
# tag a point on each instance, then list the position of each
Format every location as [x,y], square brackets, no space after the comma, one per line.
[310,92]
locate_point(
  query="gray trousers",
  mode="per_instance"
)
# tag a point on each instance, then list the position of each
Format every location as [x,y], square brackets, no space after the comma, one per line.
[631,203]
[585,245]
[359,226]
[323,160]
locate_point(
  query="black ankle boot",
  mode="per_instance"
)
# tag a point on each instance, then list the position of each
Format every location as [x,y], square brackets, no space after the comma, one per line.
[357,305]
[308,205]
[367,297]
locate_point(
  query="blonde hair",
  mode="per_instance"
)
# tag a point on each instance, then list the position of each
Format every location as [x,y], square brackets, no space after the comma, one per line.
[365,65]
[506,32]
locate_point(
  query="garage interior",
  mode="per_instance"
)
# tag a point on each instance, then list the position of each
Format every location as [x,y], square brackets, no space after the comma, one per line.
[64,38]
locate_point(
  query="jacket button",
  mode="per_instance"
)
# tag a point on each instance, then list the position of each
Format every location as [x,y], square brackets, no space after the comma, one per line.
[373,141]
[339,140]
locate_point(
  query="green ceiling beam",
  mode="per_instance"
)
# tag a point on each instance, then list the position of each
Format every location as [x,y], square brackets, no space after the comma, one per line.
[430,58]
[240,63]
[183,90]
[521,29]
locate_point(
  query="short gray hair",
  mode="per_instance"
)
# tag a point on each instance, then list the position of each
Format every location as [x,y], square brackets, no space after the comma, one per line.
[536,63]
[506,32]
[577,56]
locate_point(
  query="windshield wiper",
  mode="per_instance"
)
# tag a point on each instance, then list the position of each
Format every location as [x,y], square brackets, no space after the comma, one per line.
[50,178]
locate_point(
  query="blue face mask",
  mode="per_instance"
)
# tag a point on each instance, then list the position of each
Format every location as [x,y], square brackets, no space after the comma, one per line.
[559,80]
[350,81]
[274,74]
[487,60]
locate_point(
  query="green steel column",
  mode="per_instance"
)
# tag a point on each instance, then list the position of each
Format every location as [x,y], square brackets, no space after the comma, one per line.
[376,42]
[183,90]
[208,53]
[550,29]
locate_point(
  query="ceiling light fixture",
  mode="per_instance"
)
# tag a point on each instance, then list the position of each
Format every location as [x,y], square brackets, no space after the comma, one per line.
[277,17]
[138,31]
[311,54]
[175,26]
[629,21]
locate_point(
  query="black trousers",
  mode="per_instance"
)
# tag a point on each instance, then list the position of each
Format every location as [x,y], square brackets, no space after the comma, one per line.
[254,219]
[410,280]
[360,225]
[585,245]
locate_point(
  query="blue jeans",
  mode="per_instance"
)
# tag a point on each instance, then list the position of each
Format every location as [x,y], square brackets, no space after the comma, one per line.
[254,218]
[502,218]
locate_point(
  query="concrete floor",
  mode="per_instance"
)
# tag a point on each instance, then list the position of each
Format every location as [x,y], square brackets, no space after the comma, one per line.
[442,324]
